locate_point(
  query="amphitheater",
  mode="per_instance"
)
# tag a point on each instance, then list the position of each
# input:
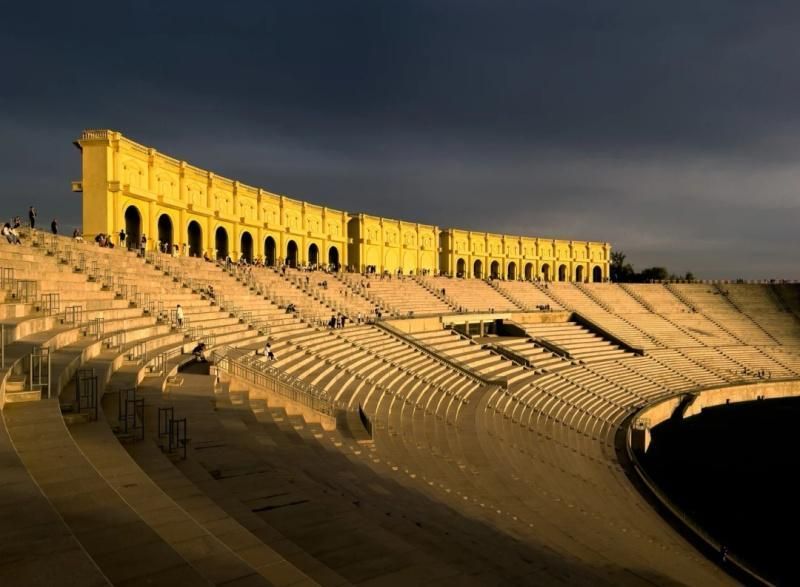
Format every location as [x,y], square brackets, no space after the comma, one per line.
[456,430]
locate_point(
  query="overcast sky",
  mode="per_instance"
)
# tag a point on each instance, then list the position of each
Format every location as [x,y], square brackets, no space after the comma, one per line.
[669,129]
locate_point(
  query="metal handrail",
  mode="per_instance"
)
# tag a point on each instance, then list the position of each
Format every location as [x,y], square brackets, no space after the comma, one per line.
[264,375]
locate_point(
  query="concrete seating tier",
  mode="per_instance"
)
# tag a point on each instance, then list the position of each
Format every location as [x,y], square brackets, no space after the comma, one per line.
[539,357]
[574,298]
[709,300]
[656,298]
[762,305]
[399,295]
[525,294]
[472,295]
[337,294]
[464,483]
[579,342]
[470,354]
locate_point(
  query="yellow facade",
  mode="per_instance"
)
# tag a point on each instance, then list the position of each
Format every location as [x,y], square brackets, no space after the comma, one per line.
[392,245]
[129,186]
[482,254]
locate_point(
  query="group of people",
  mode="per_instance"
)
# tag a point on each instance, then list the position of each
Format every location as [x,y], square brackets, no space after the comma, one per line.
[337,321]
[760,373]
[103,240]
[32,216]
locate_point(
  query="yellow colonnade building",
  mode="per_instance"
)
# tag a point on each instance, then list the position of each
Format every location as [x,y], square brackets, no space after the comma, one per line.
[129,186]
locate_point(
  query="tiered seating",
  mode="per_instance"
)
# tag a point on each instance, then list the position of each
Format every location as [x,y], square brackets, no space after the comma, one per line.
[467,352]
[399,295]
[457,466]
[761,306]
[708,300]
[577,341]
[342,362]
[526,295]
[337,294]
[472,295]
[539,357]
[574,298]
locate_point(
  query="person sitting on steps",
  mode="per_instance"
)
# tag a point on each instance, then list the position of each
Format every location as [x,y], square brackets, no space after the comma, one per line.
[199,352]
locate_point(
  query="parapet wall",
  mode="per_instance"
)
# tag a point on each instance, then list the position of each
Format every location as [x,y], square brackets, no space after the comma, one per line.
[130,186]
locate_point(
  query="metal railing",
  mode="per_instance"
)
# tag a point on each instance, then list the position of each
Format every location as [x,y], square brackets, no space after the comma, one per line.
[73,315]
[172,431]
[40,370]
[26,290]
[130,414]
[267,377]
[86,391]
[7,280]
[95,327]
[50,303]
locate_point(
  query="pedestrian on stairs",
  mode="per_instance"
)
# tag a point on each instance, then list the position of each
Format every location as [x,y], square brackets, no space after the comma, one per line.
[32,217]
[179,316]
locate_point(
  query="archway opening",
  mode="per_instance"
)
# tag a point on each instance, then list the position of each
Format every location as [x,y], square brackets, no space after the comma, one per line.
[477,269]
[291,254]
[247,247]
[133,227]
[165,233]
[494,269]
[221,242]
[269,251]
[562,272]
[333,258]
[546,272]
[529,272]
[512,271]
[195,238]
[461,268]
[597,275]
[313,254]
[579,273]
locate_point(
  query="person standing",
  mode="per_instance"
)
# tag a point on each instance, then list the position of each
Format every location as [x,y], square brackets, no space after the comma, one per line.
[143,244]
[54,226]
[179,316]
[122,237]
[32,217]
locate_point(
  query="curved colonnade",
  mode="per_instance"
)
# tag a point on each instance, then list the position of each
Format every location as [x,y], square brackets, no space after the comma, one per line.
[128,186]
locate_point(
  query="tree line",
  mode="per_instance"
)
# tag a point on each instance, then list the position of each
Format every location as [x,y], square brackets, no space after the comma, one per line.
[622,272]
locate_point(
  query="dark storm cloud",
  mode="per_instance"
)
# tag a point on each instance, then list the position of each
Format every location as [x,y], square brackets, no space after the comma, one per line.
[668,129]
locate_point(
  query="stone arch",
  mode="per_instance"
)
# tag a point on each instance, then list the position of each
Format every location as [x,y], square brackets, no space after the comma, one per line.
[246,246]
[597,274]
[333,258]
[528,271]
[461,268]
[133,226]
[165,231]
[512,271]
[546,272]
[221,242]
[494,270]
[562,272]
[291,254]
[477,269]
[579,273]
[313,254]
[269,251]
[194,236]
